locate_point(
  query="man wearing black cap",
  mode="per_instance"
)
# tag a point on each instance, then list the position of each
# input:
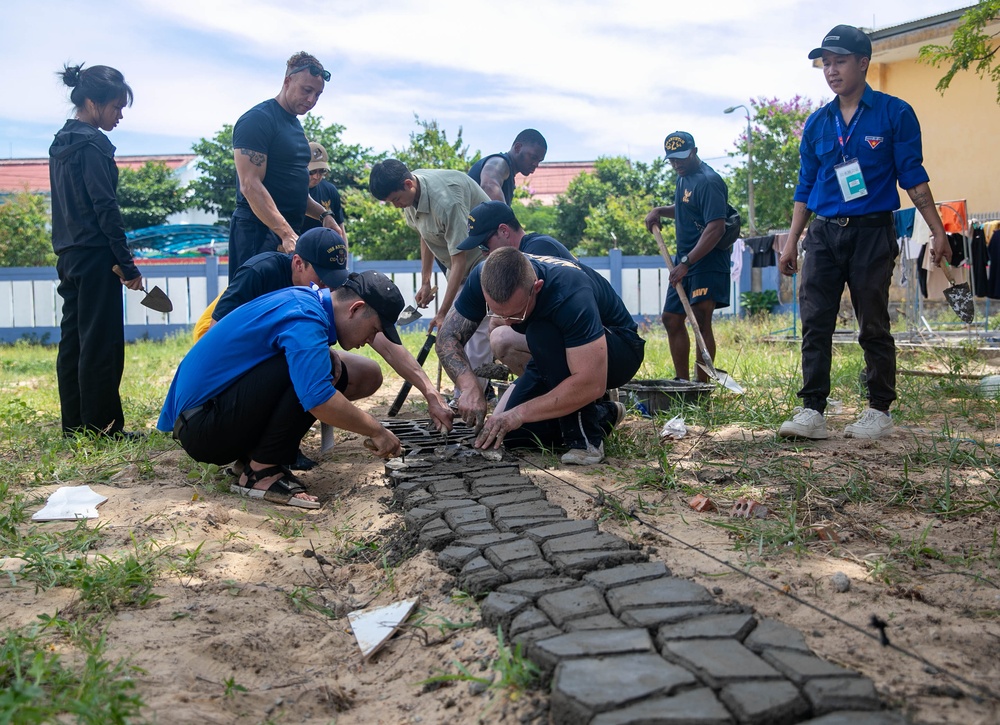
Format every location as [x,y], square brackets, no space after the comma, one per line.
[251,389]
[321,259]
[496,172]
[699,211]
[854,151]
[493,225]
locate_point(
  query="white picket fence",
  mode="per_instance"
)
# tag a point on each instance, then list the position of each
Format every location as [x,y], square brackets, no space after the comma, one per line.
[31,308]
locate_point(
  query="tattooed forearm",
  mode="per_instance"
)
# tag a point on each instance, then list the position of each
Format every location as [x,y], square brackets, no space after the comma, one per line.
[255,157]
[921,196]
[455,332]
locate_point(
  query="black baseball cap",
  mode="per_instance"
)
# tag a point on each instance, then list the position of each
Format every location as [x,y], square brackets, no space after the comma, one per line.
[326,251]
[484,219]
[382,295]
[844,40]
[678,145]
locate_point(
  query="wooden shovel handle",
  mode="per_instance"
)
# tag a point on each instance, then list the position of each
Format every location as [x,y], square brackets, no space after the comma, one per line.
[679,287]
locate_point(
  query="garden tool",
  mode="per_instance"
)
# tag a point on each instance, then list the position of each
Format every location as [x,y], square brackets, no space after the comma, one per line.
[155,299]
[959,297]
[408,315]
[405,390]
[721,377]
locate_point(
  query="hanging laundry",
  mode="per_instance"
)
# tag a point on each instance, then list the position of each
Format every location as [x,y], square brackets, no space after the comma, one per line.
[978,262]
[903,219]
[736,258]
[993,288]
[763,251]
[954,215]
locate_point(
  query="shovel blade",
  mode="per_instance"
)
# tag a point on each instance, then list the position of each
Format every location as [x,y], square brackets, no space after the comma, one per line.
[722,378]
[408,315]
[156,299]
[959,297]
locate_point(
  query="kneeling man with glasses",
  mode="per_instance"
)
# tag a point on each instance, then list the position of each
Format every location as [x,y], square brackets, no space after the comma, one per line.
[582,339]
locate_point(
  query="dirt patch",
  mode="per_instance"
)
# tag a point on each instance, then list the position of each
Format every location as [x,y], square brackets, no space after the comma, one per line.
[912,514]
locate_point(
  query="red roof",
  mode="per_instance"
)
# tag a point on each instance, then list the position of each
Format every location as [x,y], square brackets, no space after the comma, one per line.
[552,178]
[15,174]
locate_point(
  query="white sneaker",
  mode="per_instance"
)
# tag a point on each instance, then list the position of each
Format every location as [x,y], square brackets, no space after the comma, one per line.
[805,423]
[871,425]
[584,456]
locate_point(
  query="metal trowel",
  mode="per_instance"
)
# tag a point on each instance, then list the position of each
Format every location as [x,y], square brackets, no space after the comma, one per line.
[959,297]
[155,299]
[408,315]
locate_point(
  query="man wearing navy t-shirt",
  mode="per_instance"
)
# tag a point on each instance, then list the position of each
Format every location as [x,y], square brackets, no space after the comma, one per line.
[272,156]
[582,341]
[493,225]
[854,151]
[496,172]
[701,204]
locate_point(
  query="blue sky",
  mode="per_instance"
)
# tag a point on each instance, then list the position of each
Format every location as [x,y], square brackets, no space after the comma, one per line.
[596,77]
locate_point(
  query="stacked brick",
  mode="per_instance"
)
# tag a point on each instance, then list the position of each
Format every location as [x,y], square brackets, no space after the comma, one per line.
[621,639]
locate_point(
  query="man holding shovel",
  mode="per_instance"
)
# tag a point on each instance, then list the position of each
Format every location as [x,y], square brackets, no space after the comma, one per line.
[699,211]
[854,151]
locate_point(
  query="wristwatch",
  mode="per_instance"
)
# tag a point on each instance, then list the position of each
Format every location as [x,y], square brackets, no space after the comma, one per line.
[683,260]
[325,214]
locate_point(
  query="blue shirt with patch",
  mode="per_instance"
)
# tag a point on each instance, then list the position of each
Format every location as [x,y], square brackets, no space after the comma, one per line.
[290,322]
[886,143]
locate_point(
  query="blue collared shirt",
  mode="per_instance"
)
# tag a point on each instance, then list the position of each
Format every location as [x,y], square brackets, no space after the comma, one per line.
[886,143]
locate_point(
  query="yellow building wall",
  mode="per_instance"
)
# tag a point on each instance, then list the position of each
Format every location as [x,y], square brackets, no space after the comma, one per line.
[961,130]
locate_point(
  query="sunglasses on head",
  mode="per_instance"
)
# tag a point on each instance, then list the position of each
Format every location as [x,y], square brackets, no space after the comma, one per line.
[314,70]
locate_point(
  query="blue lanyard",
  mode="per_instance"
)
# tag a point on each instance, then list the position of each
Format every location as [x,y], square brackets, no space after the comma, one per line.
[850,130]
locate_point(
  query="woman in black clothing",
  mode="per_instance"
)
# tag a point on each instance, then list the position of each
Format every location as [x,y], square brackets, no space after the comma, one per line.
[88,235]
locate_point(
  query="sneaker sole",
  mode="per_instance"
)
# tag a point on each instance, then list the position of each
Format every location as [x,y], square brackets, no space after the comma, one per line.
[866,436]
[782,433]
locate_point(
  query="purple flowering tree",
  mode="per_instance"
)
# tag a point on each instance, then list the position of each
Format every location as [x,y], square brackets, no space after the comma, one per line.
[776,128]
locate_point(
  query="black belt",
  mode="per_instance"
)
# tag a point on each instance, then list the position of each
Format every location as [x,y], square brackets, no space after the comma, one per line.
[881,219]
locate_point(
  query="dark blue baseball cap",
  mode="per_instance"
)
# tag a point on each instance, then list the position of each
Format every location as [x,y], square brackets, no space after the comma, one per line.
[678,145]
[326,251]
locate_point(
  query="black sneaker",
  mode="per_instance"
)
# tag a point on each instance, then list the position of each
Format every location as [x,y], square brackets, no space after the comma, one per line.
[303,462]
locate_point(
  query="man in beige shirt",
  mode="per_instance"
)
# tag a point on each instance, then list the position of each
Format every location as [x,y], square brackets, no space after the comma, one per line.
[436,204]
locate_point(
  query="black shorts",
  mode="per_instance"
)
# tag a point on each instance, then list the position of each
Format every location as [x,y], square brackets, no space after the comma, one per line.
[700,287]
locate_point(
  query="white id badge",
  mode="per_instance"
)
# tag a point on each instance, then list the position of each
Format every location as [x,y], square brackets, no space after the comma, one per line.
[852,182]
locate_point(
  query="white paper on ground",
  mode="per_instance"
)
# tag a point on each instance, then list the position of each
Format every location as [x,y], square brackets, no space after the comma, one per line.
[70,502]
[373,627]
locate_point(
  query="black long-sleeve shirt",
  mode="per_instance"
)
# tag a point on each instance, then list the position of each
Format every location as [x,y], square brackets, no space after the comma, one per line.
[84,180]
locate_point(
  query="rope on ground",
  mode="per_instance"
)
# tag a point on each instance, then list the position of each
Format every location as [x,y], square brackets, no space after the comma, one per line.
[875,622]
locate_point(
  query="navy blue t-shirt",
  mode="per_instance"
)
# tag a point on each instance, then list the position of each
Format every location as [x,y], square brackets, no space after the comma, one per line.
[542,245]
[576,299]
[256,277]
[271,130]
[507,187]
[701,197]
[327,196]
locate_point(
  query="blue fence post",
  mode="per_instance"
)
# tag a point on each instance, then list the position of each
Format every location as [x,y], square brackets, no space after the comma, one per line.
[615,260]
[211,277]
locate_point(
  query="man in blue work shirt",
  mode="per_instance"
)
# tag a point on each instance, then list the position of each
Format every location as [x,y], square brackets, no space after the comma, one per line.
[853,152]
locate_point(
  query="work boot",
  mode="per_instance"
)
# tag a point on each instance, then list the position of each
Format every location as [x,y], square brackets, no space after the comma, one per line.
[805,423]
[871,425]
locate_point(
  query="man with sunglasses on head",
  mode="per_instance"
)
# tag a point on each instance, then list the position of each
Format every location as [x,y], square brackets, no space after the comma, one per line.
[322,190]
[272,158]
[582,341]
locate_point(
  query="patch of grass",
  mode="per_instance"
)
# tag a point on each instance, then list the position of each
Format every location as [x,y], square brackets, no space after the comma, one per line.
[514,673]
[40,684]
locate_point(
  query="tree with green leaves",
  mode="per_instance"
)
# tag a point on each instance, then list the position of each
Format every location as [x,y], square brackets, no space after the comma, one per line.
[25,240]
[970,47]
[349,163]
[605,209]
[149,194]
[776,128]
[430,148]
[214,190]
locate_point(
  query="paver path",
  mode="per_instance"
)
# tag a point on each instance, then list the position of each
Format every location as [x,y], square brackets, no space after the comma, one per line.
[622,640]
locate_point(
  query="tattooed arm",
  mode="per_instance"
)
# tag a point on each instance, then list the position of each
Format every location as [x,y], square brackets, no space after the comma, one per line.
[455,332]
[923,200]
[250,168]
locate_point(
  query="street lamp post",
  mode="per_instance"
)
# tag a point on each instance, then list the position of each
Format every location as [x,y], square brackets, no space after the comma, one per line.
[750,207]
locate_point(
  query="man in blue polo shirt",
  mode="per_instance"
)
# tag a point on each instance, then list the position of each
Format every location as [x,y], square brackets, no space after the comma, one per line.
[854,151]
[250,389]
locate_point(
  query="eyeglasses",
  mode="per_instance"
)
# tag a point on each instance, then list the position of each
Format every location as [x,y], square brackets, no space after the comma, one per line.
[318,172]
[485,246]
[314,70]
[509,318]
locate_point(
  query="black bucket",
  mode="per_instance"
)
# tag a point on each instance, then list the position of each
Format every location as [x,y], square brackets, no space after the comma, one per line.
[658,396]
